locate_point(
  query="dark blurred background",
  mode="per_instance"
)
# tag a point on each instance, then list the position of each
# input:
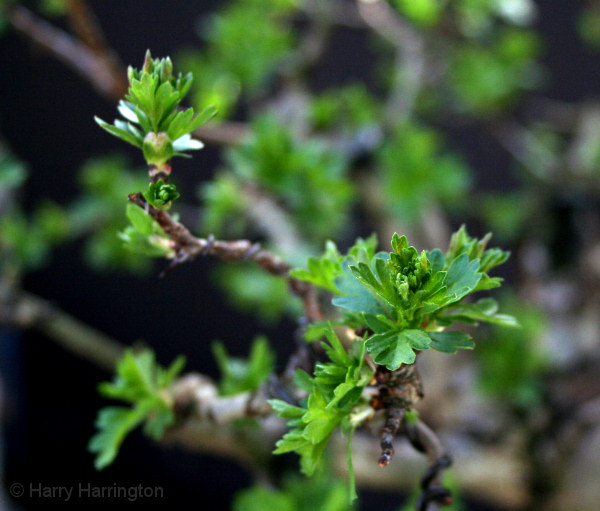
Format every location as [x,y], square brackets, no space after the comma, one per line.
[51,395]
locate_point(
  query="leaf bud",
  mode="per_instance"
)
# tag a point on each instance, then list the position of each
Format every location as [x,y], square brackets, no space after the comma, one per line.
[166,70]
[148,63]
[158,149]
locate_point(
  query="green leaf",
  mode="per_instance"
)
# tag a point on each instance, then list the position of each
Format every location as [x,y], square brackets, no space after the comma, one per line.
[239,375]
[141,382]
[180,122]
[286,410]
[484,310]
[449,342]
[114,423]
[322,271]
[124,135]
[357,297]
[161,195]
[134,380]
[437,260]
[144,235]
[462,277]
[394,348]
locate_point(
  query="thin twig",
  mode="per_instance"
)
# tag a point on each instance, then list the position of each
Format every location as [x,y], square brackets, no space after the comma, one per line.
[85,24]
[223,133]
[187,247]
[27,311]
[69,51]
[410,55]
[312,45]
[434,494]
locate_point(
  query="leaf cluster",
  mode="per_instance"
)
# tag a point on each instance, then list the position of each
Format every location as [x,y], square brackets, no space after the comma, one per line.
[240,375]
[238,60]
[144,236]
[296,494]
[141,383]
[153,121]
[415,170]
[406,298]
[333,393]
[97,213]
[161,195]
[308,179]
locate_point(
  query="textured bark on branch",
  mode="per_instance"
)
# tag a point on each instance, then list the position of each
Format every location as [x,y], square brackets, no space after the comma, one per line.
[187,247]
[493,474]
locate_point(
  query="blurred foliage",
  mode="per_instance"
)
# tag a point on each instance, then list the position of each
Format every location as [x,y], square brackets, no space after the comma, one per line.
[321,492]
[488,78]
[12,171]
[257,293]
[98,213]
[225,205]
[238,59]
[422,12]
[309,180]
[511,362]
[588,25]
[345,108]
[241,375]
[416,173]
[25,239]
[53,7]
[507,214]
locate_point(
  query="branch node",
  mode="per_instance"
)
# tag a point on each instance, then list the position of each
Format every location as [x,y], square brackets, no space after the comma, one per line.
[437,494]
[433,471]
[251,252]
[210,242]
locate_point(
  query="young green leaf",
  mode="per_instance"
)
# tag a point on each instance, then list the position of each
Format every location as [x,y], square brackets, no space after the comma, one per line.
[393,348]
[449,342]
[141,382]
[239,375]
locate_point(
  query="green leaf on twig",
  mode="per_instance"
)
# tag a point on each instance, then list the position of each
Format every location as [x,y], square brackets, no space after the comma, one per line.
[141,382]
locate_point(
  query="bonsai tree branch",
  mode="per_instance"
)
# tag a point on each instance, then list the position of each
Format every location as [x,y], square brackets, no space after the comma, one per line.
[95,67]
[187,247]
[27,311]
[495,474]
